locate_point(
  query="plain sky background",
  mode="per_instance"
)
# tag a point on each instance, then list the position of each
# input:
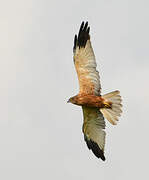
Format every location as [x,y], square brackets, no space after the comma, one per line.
[40,134]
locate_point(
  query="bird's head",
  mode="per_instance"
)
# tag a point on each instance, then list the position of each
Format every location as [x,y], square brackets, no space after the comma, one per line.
[72,100]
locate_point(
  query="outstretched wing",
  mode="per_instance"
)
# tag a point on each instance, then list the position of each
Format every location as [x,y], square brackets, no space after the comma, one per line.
[93,129]
[85,64]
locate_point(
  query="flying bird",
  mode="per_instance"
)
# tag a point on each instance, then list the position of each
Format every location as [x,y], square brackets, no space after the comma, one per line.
[95,106]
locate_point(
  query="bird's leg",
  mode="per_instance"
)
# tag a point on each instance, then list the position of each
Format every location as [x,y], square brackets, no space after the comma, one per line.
[107,104]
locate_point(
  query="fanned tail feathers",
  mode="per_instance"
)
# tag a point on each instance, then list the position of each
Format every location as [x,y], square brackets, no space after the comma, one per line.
[112,114]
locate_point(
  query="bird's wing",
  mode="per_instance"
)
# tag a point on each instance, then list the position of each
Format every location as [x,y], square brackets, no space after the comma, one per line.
[93,129]
[85,63]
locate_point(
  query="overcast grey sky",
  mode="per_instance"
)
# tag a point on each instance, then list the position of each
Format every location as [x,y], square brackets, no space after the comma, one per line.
[40,134]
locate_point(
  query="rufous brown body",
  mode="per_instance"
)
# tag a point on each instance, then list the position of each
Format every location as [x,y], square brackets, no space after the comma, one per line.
[90,101]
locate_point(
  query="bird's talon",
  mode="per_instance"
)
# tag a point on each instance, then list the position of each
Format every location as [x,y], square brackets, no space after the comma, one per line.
[107,105]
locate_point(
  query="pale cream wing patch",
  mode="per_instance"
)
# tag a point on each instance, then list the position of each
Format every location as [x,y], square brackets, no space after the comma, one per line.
[94,126]
[85,64]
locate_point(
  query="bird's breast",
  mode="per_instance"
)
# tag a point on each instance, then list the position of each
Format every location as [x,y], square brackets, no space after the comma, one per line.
[90,101]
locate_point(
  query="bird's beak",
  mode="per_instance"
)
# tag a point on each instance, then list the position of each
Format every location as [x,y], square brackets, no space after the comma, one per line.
[68,101]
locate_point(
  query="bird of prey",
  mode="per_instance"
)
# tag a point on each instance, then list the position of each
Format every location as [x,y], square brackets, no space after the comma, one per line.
[95,106]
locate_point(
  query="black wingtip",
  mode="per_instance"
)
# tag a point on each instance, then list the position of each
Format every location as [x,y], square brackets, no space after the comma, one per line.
[83,36]
[75,42]
[95,148]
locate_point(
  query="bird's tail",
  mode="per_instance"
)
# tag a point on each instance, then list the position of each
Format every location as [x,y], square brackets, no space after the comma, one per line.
[112,109]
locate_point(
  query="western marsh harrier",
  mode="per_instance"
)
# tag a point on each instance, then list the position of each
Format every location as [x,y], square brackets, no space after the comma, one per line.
[95,106]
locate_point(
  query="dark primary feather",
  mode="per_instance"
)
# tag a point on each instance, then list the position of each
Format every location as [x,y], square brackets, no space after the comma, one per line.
[95,148]
[83,36]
